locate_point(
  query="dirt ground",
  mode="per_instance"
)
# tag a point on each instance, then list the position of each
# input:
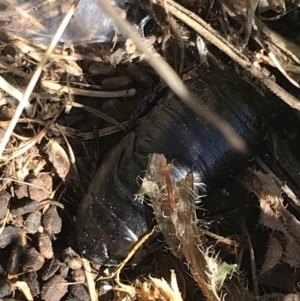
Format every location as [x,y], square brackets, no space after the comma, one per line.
[88,96]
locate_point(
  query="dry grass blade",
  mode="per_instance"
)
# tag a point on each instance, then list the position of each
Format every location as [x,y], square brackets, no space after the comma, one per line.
[36,76]
[169,292]
[23,286]
[89,279]
[172,79]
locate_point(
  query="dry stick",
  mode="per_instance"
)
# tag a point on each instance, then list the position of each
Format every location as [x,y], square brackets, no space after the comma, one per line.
[173,80]
[272,56]
[286,66]
[74,57]
[36,76]
[91,93]
[89,279]
[206,31]
[290,49]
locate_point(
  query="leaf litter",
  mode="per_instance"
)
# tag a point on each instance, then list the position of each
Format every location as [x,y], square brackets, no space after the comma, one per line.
[36,160]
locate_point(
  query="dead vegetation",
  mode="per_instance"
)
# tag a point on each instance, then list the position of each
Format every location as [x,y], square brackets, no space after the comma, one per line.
[64,106]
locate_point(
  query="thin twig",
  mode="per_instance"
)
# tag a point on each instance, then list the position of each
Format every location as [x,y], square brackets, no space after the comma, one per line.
[89,279]
[90,93]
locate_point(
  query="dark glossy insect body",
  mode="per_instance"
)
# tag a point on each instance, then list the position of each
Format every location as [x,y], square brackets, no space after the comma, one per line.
[109,219]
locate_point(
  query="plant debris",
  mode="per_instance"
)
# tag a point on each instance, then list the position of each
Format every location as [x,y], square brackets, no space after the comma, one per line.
[79,100]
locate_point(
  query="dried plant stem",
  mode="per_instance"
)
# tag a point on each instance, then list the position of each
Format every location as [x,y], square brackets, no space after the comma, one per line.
[89,279]
[90,93]
[181,212]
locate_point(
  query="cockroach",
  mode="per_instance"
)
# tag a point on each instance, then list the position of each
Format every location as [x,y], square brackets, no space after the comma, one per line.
[110,220]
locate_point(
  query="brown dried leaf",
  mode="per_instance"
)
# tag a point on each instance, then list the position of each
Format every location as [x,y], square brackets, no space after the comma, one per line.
[58,157]
[21,191]
[274,214]
[273,255]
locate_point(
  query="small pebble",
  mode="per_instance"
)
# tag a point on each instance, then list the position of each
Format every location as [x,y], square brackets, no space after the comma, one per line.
[72,259]
[5,288]
[32,221]
[80,291]
[32,260]
[45,246]
[4,200]
[40,194]
[22,206]
[52,221]
[54,289]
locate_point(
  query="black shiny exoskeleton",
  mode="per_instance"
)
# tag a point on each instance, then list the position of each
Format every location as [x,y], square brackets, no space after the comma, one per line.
[109,219]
